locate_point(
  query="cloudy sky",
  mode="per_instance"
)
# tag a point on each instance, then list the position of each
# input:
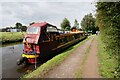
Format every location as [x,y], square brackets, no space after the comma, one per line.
[52,12]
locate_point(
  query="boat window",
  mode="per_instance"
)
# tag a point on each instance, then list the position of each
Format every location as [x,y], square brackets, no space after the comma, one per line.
[51,29]
[32,30]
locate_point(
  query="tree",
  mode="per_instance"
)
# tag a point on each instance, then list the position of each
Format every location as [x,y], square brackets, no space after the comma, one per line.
[88,23]
[23,28]
[18,25]
[76,24]
[65,25]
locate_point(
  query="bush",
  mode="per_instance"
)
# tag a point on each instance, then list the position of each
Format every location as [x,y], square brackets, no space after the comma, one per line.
[107,19]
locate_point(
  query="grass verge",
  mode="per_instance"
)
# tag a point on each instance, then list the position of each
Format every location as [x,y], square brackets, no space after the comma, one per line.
[44,68]
[107,62]
[8,37]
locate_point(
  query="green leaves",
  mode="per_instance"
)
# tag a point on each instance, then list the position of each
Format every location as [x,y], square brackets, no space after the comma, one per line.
[65,25]
[107,19]
[88,23]
[76,24]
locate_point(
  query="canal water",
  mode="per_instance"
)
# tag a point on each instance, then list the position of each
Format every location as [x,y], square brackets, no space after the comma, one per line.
[10,55]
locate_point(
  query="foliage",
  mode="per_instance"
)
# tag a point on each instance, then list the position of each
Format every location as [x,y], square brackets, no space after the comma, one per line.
[88,23]
[107,19]
[65,25]
[76,24]
[20,26]
[23,28]
[17,26]
[107,64]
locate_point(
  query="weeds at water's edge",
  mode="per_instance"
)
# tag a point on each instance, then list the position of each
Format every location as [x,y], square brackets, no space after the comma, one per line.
[40,71]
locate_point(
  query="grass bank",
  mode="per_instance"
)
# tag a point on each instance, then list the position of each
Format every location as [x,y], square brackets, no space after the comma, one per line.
[44,68]
[9,37]
[107,62]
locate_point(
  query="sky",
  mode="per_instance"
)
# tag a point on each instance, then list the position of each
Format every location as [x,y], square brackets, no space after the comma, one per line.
[52,11]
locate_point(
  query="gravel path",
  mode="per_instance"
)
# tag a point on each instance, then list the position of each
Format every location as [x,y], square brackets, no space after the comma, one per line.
[90,68]
[71,64]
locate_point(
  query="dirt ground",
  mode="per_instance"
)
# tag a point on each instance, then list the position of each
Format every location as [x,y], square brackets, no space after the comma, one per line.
[90,69]
[71,64]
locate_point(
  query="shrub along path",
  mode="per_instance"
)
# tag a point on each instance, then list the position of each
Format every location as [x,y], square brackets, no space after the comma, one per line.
[72,64]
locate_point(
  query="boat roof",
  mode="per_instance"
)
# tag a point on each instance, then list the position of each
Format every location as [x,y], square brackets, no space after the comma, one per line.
[42,24]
